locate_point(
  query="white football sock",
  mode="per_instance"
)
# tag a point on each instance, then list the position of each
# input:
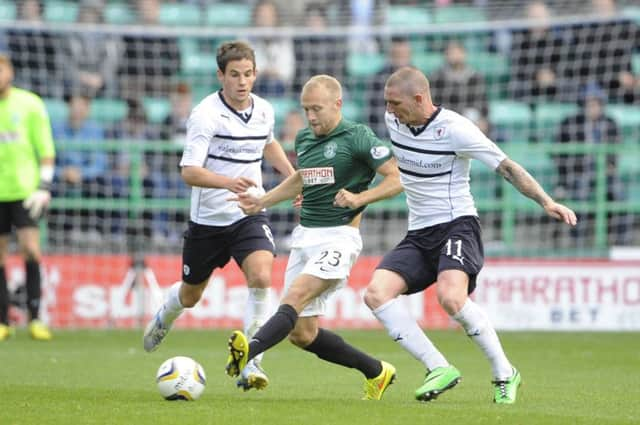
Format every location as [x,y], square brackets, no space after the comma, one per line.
[172,307]
[257,312]
[404,330]
[477,326]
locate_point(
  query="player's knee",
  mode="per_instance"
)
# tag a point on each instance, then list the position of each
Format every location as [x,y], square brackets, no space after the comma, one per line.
[450,301]
[375,296]
[190,296]
[260,279]
[301,338]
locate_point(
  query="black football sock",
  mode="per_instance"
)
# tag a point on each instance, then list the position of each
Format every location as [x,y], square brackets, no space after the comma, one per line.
[274,330]
[4,298]
[33,288]
[332,348]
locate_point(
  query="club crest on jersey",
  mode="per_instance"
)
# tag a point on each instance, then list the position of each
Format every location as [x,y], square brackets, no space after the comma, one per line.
[330,150]
[439,133]
[317,175]
[378,152]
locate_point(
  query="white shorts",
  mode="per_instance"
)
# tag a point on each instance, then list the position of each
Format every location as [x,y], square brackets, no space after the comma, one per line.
[323,252]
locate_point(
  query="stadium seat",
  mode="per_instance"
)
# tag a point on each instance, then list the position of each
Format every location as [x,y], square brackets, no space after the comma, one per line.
[364,64]
[427,62]
[511,118]
[281,107]
[484,183]
[57,108]
[179,14]
[635,63]
[7,11]
[199,63]
[157,108]
[445,15]
[628,118]
[108,110]
[535,159]
[228,15]
[407,16]
[118,14]
[61,11]
[633,13]
[351,109]
[492,65]
[548,116]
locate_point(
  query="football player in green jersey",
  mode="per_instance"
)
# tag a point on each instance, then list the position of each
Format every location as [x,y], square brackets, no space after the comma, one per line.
[337,161]
[27,157]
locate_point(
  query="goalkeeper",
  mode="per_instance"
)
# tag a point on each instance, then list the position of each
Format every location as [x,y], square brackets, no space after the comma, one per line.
[27,157]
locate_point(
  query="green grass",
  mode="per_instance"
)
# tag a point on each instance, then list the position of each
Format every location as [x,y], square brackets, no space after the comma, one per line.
[104,377]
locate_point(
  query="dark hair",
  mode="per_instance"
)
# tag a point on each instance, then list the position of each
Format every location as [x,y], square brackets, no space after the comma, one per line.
[234,51]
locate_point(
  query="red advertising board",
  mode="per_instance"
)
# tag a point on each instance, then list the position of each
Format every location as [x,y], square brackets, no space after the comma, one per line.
[104,291]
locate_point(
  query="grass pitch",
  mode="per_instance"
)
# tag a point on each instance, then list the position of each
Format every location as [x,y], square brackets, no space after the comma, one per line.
[104,377]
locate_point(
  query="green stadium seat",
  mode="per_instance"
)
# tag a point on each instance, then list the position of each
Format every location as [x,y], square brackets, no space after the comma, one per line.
[179,14]
[61,11]
[445,15]
[351,110]
[57,109]
[548,116]
[625,115]
[108,111]
[427,62]
[484,183]
[512,118]
[157,108]
[492,65]
[281,107]
[633,13]
[535,159]
[407,16]
[635,63]
[199,64]
[364,64]
[7,11]
[228,15]
[119,14]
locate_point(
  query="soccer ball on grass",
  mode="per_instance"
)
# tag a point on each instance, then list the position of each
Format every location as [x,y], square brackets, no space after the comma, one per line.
[181,378]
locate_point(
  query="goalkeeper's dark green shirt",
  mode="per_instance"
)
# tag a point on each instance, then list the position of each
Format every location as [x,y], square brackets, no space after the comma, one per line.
[25,138]
[345,158]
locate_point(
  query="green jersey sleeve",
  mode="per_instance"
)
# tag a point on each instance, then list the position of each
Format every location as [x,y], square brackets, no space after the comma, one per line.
[370,149]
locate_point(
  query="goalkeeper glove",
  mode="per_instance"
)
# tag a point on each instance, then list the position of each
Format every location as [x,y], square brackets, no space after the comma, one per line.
[37,202]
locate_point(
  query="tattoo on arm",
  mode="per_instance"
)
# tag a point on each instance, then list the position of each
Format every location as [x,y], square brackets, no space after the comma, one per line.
[515,174]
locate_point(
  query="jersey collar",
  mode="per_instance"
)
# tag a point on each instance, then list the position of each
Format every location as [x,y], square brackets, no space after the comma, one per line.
[417,130]
[244,117]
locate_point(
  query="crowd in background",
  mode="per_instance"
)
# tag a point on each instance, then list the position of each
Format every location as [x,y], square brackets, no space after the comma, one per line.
[588,63]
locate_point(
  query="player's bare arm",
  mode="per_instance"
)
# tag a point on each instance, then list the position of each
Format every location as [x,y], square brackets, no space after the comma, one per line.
[388,187]
[201,177]
[288,189]
[528,186]
[275,155]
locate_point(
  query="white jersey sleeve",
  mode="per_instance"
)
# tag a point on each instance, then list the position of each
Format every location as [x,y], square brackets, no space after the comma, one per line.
[200,132]
[469,142]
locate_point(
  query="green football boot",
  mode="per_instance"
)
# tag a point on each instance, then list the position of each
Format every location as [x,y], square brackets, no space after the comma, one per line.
[507,390]
[438,381]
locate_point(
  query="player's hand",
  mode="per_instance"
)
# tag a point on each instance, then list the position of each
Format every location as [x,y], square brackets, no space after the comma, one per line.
[37,203]
[561,212]
[240,184]
[346,199]
[297,201]
[247,202]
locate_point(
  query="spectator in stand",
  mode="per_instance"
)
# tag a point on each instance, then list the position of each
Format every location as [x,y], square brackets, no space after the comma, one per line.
[577,172]
[275,59]
[318,52]
[460,88]
[34,54]
[604,51]
[78,172]
[539,58]
[91,58]
[150,58]
[174,127]
[293,122]
[398,56]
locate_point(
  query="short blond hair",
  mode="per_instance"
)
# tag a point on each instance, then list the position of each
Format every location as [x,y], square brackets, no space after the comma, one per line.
[410,80]
[331,84]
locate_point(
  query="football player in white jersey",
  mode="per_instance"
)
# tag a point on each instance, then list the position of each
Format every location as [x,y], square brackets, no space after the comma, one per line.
[228,134]
[443,244]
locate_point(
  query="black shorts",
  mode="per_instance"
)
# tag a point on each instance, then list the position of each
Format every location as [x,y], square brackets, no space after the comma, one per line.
[424,253]
[12,213]
[208,247]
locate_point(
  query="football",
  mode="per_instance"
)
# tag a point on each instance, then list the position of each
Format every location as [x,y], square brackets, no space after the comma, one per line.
[181,378]
[256,191]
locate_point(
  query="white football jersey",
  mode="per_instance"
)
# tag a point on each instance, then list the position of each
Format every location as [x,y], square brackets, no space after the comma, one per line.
[434,162]
[226,142]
